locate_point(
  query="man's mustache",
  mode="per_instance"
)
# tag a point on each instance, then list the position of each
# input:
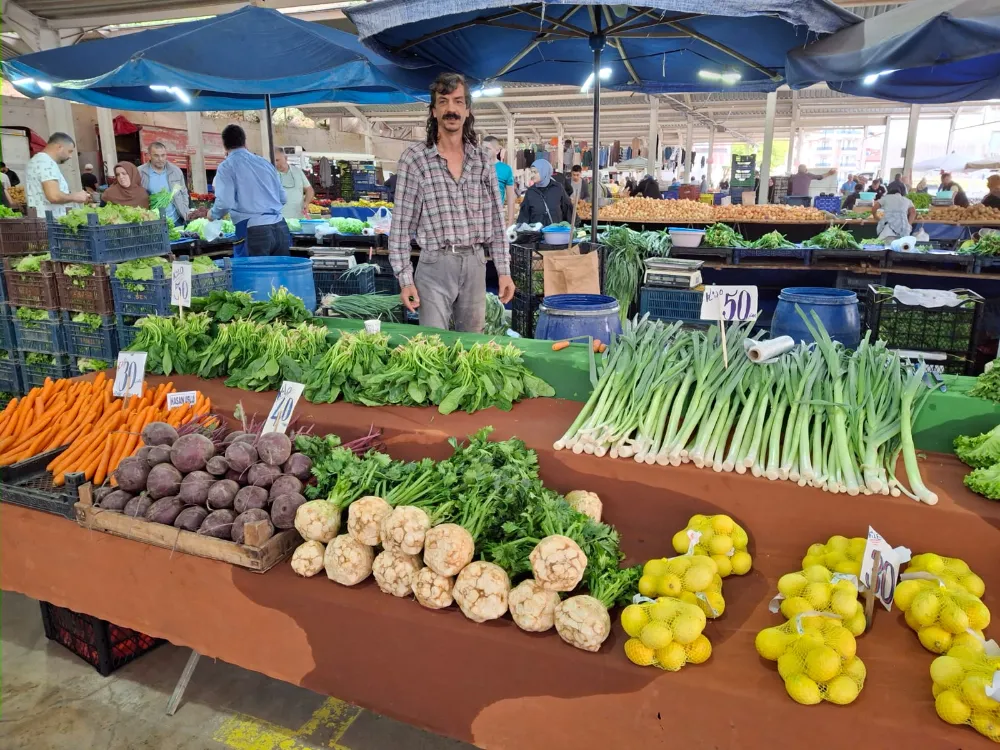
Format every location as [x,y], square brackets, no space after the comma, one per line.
[452,117]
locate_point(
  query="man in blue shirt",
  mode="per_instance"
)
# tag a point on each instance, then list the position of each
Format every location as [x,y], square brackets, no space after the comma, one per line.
[505,176]
[249,189]
[848,187]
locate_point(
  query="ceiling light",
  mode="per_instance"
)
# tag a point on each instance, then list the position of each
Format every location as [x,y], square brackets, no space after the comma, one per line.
[487,91]
[44,86]
[870,79]
[605,75]
[180,93]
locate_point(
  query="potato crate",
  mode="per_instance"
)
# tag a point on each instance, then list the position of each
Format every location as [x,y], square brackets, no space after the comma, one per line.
[10,375]
[127,330]
[670,304]
[30,288]
[84,341]
[27,236]
[154,297]
[93,243]
[33,375]
[103,645]
[89,294]
[44,336]
[28,484]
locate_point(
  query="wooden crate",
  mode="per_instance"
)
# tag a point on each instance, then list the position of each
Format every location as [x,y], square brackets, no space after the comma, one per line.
[258,559]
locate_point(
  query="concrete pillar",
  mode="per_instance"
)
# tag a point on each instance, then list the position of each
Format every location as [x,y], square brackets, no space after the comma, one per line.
[711,154]
[59,113]
[793,133]
[654,126]
[511,143]
[106,135]
[199,179]
[884,165]
[561,136]
[911,143]
[765,159]
[265,141]
[688,160]
[951,132]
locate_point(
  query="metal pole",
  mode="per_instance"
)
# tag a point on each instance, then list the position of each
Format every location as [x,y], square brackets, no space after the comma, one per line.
[652,158]
[911,143]
[597,42]
[270,125]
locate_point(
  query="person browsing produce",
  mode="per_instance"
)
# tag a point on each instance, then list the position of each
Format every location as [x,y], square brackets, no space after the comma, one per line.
[47,189]
[10,174]
[852,199]
[992,198]
[546,201]
[898,215]
[247,188]
[128,189]
[447,197]
[298,192]
[505,176]
[897,180]
[159,174]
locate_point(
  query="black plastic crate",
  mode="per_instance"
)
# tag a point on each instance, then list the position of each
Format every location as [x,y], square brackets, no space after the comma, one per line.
[343,282]
[127,330]
[33,376]
[385,277]
[28,484]
[859,283]
[94,243]
[950,330]
[987,263]
[103,645]
[524,313]
[724,254]
[526,265]
[670,304]
[84,341]
[950,261]
[154,299]
[874,258]
[10,376]
[7,339]
[741,254]
[44,336]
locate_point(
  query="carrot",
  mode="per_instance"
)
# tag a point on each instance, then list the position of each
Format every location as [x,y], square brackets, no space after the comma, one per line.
[121,445]
[161,397]
[102,467]
[559,346]
[84,444]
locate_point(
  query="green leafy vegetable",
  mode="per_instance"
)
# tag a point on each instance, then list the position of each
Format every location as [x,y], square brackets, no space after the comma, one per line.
[31,316]
[31,263]
[771,241]
[920,200]
[140,270]
[988,385]
[364,306]
[988,244]
[723,235]
[163,198]
[7,213]
[90,320]
[78,272]
[985,481]
[496,317]
[85,364]
[107,215]
[348,226]
[625,261]
[833,238]
[173,344]
[40,360]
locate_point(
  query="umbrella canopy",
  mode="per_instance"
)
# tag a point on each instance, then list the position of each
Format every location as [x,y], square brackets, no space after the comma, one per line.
[926,51]
[231,61]
[947,163]
[659,46]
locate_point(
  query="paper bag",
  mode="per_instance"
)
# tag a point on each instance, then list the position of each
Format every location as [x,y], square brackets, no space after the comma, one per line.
[569,272]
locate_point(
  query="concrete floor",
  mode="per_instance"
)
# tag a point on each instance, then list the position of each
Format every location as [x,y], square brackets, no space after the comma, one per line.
[52,700]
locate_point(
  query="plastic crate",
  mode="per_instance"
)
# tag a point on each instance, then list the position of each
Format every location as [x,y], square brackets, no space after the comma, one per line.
[8,341]
[670,304]
[830,203]
[336,282]
[103,645]
[951,330]
[28,484]
[127,330]
[83,341]
[10,376]
[33,376]
[44,336]
[93,243]
[750,253]
[154,299]
[27,236]
[89,294]
[524,313]
[688,192]
[987,263]
[30,288]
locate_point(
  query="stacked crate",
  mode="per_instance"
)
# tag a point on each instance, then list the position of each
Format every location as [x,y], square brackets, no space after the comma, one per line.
[18,237]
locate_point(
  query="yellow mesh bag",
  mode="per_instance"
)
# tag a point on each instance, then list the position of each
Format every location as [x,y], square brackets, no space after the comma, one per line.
[840,554]
[963,690]
[666,633]
[818,589]
[953,571]
[721,538]
[816,657]
[694,579]
[942,616]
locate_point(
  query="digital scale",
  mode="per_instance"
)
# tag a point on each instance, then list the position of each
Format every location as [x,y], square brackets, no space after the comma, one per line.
[674,273]
[332,258]
[943,198]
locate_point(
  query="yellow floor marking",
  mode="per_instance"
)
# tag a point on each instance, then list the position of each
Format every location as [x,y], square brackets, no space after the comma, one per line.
[331,721]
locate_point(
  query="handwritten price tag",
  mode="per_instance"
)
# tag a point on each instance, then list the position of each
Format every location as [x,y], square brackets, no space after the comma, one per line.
[284,406]
[729,302]
[175,400]
[881,580]
[130,373]
[180,284]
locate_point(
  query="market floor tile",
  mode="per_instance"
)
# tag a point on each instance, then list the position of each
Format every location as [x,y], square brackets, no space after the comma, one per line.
[52,700]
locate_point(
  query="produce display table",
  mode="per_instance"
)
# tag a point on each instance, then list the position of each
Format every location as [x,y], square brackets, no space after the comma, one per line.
[493,684]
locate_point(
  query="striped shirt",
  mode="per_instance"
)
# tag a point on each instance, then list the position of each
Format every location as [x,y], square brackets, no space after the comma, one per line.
[441,211]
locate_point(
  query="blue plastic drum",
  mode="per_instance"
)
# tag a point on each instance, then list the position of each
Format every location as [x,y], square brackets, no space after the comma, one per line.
[566,316]
[837,310]
[259,275]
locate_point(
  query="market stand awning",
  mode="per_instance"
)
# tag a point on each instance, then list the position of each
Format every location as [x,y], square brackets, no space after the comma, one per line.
[926,51]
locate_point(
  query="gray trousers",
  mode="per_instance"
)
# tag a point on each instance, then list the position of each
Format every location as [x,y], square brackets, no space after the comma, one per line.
[452,286]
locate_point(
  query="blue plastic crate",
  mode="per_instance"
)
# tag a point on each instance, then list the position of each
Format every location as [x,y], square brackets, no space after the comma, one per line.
[829,203]
[93,243]
[83,341]
[127,330]
[669,304]
[10,376]
[33,376]
[3,287]
[154,299]
[670,195]
[743,253]
[44,336]
[7,339]
[335,282]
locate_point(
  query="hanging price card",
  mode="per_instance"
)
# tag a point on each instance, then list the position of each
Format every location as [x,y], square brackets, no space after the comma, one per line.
[880,578]
[130,374]
[180,284]
[729,302]
[284,405]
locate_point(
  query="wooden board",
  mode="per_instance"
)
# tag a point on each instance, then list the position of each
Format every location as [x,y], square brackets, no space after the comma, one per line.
[257,559]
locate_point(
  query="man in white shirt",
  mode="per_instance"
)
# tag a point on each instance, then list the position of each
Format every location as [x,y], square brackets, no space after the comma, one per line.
[5,187]
[298,192]
[47,189]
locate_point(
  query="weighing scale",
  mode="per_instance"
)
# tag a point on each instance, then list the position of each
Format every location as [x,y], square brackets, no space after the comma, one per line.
[674,273]
[332,258]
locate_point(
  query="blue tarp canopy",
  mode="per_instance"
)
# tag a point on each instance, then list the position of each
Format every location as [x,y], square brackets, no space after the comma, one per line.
[926,51]
[658,46]
[231,61]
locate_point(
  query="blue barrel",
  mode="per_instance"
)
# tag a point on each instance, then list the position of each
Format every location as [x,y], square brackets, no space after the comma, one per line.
[259,275]
[566,316]
[837,310]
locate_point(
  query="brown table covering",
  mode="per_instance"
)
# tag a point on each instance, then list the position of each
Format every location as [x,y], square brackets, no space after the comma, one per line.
[497,686]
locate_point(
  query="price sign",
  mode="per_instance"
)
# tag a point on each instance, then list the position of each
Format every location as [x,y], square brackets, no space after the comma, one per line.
[179,399]
[729,302]
[881,579]
[180,284]
[130,373]
[284,405]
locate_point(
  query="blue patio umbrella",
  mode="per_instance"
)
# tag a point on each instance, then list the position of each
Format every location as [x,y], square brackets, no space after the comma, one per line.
[658,46]
[926,51]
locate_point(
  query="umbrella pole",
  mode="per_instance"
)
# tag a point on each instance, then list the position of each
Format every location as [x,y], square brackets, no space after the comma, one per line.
[270,126]
[597,42]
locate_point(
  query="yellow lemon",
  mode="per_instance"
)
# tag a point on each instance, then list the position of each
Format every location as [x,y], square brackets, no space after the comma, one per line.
[956,567]
[663,609]
[925,607]
[809,560]
[947,671]
[680,542]
[706,533]
[842,690]
[741,562]
[697,613]
[951,708]
[966,646]
[771,643]
[740,538]
[979,615]
[908,617]
[822,664]
[634,619]
[932,563]
[935,639]
[936,689]
[856,546]
[706,562]
[656,635]
[816,550]
[669,585]
[973,689]
[838,543]
[672,657]
[816,574]
[844,604]
[724,564]
[697,520]
[689,598]
[699,650]
[722,524]
[905,591]
[715,604]
[791,584]
[686,629]
[803,690]
[818,595]
[790,664]
[795,606]
[952,618]
[697,578]
[857,623]
[842,641]
[847,567]
[647,586]
[720,544]
[855,669]
[987,724]
[656,568]
[973,584]
[639,653]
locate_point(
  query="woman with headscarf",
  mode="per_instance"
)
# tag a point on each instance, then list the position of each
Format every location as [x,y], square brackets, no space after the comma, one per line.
[546,201]
[128,189]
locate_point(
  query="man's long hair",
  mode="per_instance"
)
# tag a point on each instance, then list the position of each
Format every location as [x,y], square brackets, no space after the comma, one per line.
[446,83]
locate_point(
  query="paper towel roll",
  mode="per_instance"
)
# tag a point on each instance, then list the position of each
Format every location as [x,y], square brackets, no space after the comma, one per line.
[511,234]
[368,232]
[764,351]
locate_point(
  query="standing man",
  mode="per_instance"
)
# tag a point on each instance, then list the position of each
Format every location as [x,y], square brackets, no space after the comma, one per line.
[897,182]
[11,175]
[7,200]
[579,190]
[568,155]
[447,197]
[505,175]
[47,189]
[159,174]
[848,187]
[247,187]
[298,192]
[798,183]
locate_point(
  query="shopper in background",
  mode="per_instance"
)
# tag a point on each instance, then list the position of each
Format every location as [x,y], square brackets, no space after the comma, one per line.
[579,189]
[897,182]
[704,184]
[958,196]
[898,215]
[298,192]
[447,196]
[649,187]
[47,189]
[390,188]
[877,187]
[505,176]
[848,187]
[852,199]
[546,201]
[921,186]
[128,189]
[5,196]
[159,174]
[568,155]
[247,187]
[798,183]
[992,198]
[10,174]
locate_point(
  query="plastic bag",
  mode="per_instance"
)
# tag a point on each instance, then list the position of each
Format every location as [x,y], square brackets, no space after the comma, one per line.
[381,221]
[927,297]
[212,230]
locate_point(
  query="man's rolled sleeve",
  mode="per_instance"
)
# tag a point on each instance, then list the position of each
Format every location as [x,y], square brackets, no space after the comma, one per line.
[405,218]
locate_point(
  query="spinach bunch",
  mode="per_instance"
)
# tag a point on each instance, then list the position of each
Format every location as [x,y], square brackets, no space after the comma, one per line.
[276,353]
[489,375]
[414,375]
[342,368]
[173,344]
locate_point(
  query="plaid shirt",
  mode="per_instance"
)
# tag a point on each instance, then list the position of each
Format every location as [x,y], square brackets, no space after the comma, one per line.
[441,212]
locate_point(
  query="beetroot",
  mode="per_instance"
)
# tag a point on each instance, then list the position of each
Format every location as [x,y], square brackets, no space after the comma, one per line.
[218,523]
[250,497]
[116,500]
[235,476]
[298,465]
[249,516]
[233,436]
[283,510]
[194,487]
[143,452]
[102,492]
[137,506]
[285,484]
[132,474]
[217,466]
[163,480]
[158,454]
[274,448]
[165,510]
[241,456]
[222,494]
[191,452]
[262,475]
[159,433]
[191,518]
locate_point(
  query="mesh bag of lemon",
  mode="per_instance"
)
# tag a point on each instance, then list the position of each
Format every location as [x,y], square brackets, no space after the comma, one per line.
[953,571]
[963,687]
[942,615]
[693,579]
[817,589]
[718,537]
[840,554]
[665,633]
[817,659]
